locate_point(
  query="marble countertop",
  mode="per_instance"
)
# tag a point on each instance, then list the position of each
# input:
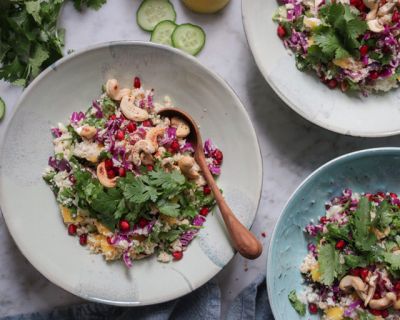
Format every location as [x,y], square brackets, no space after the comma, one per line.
[291,147]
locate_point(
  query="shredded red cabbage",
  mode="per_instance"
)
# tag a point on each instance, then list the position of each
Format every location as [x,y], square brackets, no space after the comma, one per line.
[56,132]
[198,221]
[59,165]
[77,117]
[99,113]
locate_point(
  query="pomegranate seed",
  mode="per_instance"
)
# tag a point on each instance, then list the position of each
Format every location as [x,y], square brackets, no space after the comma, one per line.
[376,296]
[323,220]
[113,117]
[354,3]
[362,7]
[393,195]
[109,240]
[136,83]
[312,307]
[281,32]
[149,167]
[177,255]
[395,16]
[375,312]
[83,239]
[340,244]
[206,190]
[143,222]
[121,172]
[355,272]
[397,286]
[384,313]
[110,174]
[374,75]
[175,146]
[72,229]
[332,84]
[204,211]
[109,164]
[146,123]
[131,127]
[363,50]
[124,225]
[364,273]
[120,135]
[218,155]
[263,234]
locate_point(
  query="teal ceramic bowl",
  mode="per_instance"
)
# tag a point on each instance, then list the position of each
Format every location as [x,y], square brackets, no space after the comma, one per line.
[363,171]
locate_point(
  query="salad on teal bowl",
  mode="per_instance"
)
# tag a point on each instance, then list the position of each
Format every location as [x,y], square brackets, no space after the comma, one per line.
[335,250]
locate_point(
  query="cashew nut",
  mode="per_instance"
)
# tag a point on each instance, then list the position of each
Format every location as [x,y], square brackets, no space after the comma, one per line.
[141,145]
[383,303]
[370,3]
[103,178]
[186,164]
[396,305]
[381,235]
[372,14]
[114,91]
[132,112]
[375,26]
[87,132]
[371,289]
[385,9]
[182,128]
[146,159]
[349,282]
[153,134]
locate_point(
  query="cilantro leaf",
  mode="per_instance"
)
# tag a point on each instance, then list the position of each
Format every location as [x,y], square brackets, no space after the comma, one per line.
[361,224]
[107,201]
[392,259]
[330,267]
[296,303]
[169,208]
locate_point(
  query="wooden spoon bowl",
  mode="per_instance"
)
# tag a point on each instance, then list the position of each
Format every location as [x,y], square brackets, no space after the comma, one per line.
[243,240]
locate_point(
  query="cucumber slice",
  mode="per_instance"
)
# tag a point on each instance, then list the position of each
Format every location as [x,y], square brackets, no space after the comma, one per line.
[152,12]
[2,108]
[189,38]
[162,32]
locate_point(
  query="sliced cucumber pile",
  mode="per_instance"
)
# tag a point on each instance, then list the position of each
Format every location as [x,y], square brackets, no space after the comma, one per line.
[2,108]
[152,12]
[158,17]
[189,38]
[162,32]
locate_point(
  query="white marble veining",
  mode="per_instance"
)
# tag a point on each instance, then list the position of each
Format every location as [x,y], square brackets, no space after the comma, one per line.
[291,147]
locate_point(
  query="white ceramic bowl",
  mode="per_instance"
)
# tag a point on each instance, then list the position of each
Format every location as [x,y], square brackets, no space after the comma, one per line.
[29,207]
[375,116]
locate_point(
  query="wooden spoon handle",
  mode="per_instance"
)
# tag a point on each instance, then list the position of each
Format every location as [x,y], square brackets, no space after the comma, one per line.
[243,240]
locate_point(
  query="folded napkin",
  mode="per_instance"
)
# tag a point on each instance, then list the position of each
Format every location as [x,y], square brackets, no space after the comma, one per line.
[202,304]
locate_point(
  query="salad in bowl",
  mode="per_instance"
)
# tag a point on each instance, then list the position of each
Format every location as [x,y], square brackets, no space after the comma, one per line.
[125,178]
[352,269]
[352,45]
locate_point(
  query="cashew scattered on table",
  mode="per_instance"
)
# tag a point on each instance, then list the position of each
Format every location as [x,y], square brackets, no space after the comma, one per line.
[141,146]
[131,111]
[103,178]
[114,91]
[186,165]
[153,134]
[356,283]
[383,303]
[87,132]
[182,128]
[375,26]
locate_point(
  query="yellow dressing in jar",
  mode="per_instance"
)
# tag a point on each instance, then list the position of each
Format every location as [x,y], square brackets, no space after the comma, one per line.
[205,6]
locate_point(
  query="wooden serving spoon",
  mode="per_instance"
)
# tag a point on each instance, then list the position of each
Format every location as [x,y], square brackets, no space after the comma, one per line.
[243,240]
